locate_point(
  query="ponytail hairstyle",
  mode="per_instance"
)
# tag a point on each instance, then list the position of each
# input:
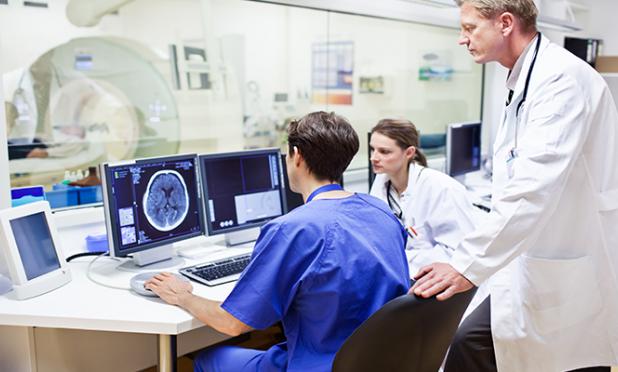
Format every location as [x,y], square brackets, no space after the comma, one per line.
[404,133]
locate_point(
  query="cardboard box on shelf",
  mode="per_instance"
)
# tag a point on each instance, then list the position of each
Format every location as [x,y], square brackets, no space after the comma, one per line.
[607,64]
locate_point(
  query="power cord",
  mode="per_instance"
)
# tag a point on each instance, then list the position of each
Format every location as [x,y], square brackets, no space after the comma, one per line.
[92,279]
[83,254]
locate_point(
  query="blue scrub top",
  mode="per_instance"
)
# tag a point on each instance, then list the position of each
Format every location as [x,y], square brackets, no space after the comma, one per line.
[322,270]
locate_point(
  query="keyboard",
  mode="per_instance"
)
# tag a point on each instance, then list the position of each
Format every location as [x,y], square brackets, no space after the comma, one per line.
[218,272]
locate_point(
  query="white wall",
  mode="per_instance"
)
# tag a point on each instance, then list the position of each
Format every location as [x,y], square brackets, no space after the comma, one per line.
[601,23]
[596,17]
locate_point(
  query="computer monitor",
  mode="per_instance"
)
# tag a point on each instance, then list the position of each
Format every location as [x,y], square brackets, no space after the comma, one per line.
[293,199]
[150,204]
[371,176]
[30,252]
[463,149]
[242,190]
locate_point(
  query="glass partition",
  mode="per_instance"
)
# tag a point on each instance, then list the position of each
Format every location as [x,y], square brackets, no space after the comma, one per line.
[410,71]
[159,77]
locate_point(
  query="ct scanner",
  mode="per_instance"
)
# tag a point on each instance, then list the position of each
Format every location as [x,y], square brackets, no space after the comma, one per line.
[90,100]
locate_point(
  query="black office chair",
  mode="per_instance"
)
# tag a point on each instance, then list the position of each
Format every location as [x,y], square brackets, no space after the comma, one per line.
[409,334]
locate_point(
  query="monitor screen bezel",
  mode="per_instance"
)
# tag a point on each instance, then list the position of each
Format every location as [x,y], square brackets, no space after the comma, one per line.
[111,219]
[12,256]
[272,150]
[290,196]
[449,133]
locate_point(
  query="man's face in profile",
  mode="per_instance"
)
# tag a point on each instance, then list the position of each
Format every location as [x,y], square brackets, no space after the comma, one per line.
[482,36]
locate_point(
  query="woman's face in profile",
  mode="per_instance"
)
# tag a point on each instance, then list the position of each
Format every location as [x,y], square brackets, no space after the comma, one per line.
[386,156]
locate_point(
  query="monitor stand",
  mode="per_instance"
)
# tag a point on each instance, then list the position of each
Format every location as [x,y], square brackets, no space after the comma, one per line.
[159,258]
[241,236]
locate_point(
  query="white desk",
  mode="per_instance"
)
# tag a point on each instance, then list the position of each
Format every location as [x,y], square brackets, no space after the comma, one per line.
[85,305]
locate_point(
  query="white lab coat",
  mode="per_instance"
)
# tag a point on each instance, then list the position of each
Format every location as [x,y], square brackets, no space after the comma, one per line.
[438,209]
[553,229]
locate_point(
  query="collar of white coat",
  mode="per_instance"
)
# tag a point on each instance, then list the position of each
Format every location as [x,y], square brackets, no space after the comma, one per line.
[523,64]
[413,171]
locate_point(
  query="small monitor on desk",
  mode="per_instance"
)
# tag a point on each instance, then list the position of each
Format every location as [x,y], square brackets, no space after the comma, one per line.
[242,190]
[30,251]
[463,149]
[150,204]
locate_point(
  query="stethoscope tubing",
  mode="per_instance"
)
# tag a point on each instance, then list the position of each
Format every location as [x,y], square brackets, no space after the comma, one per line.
[525,93]
[527,84]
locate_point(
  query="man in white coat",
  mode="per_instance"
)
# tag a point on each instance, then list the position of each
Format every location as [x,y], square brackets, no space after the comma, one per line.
[550,244]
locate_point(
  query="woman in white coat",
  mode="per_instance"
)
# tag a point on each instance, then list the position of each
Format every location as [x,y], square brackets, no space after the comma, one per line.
[432,206]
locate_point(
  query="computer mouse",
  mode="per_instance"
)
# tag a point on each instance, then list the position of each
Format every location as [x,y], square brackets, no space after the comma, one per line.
[5,284]
[137,283]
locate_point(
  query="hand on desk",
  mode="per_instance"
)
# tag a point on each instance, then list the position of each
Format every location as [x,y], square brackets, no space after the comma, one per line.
[178,292]
[37,153]
[169,287]
[439,279]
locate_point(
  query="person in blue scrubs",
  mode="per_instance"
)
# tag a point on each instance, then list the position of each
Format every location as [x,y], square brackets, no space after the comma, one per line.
[321,269]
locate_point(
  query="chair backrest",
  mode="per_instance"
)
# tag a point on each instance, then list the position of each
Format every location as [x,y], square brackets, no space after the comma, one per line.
[409,333]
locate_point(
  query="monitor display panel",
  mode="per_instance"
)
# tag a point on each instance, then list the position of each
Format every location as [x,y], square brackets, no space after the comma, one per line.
[371,176]
[35,245]
[242,189]
[152,202]
[463,148]
[30,250]
[293,199]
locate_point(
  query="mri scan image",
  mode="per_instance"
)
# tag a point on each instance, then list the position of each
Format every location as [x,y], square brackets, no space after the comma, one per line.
[166,200]
[128,235]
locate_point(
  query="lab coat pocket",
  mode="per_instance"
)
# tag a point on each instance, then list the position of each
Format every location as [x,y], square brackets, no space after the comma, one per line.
[421,237]
[560,293]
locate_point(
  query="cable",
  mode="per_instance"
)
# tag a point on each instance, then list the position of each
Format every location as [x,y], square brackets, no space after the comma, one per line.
[83,254]
[98,282]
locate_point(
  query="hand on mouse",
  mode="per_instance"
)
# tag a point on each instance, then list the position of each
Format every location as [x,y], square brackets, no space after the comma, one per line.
[169,287]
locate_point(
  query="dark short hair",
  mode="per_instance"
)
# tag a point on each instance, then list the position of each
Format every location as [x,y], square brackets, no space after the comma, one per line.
[326,141]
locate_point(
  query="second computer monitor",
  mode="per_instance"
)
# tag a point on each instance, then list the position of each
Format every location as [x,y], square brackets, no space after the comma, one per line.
[293,199]
[463,148]
[241,189]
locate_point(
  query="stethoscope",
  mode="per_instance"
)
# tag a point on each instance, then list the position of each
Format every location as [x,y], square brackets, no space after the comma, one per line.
[398,211]
[513,152]
[392,203]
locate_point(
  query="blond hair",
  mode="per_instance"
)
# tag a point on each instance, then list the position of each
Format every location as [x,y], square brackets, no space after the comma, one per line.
[525,10]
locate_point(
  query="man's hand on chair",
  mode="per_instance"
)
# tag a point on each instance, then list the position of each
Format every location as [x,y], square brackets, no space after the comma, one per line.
[439,279]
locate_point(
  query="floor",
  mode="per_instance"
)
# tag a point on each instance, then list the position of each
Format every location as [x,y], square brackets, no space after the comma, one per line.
[256,340]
